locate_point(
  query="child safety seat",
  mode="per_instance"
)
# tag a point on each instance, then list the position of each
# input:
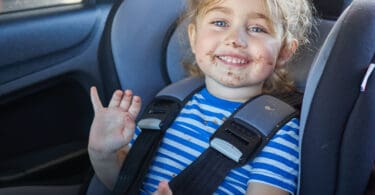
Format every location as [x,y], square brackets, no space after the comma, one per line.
[142,45]
[338,118]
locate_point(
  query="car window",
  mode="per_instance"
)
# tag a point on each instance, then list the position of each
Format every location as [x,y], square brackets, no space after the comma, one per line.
[17,5]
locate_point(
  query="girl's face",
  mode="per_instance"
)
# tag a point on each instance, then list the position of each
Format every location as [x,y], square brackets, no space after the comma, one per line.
[236,44]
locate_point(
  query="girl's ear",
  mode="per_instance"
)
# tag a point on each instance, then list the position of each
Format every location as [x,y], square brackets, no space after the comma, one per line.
[192,35]
[286,52]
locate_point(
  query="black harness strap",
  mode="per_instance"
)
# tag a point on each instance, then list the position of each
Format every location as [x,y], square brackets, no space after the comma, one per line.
[236,142]
[139,157]
[154,122]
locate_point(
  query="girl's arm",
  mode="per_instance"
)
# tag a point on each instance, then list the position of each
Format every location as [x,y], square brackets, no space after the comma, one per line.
[255,188]
[111,131]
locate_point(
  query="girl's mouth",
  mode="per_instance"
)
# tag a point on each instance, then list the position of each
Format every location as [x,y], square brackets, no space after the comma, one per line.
[233,60]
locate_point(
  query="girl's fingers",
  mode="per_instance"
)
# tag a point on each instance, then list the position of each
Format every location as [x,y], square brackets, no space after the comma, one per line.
[163,189]
[135,106]
[95,100]
[128,132]
[116,99]
[126,100]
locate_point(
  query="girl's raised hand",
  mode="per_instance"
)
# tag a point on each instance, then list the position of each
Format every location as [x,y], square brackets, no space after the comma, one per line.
[113,126]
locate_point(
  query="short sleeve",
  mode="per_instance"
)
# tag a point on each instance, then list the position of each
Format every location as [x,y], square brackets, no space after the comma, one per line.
[277,164]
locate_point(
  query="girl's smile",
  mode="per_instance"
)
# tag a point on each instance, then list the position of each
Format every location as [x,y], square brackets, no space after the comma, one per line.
[233,60]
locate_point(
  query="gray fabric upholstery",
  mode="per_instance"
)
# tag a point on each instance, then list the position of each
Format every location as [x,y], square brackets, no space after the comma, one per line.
[138,34]
[337,120]
[182,89]
[178,52]
[300,65]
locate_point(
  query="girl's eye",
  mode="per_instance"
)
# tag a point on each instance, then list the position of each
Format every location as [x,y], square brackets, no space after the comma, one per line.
[220,23]
[257,29]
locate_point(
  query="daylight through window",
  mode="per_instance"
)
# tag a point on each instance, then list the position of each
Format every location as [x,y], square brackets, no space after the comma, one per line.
[16,5]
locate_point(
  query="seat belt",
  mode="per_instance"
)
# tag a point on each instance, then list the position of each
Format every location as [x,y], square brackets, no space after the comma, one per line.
[155,120]
[236,142]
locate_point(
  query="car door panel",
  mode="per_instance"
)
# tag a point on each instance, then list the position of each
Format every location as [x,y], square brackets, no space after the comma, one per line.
[48,61]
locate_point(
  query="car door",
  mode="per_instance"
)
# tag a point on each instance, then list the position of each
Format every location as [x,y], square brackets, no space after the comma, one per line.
[48,61]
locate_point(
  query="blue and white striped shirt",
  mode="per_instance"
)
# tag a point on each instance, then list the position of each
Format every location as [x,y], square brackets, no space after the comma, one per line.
[188,137]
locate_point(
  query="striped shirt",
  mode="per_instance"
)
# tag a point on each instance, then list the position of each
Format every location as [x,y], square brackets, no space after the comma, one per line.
[188,137]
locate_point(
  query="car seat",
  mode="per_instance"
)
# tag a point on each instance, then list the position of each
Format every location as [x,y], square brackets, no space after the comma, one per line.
[337,120]
[144,44]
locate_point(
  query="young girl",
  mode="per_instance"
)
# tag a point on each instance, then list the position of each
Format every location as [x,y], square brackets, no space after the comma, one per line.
[240,47]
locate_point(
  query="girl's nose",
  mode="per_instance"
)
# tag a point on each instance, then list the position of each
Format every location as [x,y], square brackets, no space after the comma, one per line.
[236,38]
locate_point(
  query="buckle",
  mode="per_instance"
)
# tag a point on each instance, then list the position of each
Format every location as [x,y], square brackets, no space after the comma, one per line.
[159,114]
[236,140]
[149,123]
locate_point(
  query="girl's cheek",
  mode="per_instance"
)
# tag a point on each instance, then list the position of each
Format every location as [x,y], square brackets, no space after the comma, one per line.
[266,57]
[260,59]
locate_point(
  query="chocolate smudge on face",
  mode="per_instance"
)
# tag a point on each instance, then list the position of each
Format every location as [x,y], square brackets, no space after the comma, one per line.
[212,56]
[236,77]
[262,60]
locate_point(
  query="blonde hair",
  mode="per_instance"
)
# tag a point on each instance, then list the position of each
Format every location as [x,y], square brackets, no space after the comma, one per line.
[296,19]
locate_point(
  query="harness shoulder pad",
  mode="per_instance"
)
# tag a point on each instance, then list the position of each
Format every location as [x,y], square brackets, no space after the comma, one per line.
[168,102]
[265,113]
[181,90]
[248,130]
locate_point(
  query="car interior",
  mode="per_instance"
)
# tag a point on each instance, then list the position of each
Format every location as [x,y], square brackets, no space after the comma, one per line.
[45,109]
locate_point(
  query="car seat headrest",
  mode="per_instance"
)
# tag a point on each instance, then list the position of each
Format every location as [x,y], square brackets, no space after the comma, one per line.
[136,32]
[178,49]
[178,53]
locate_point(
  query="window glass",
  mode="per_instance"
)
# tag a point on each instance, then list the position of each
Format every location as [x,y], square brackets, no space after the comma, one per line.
[15,5]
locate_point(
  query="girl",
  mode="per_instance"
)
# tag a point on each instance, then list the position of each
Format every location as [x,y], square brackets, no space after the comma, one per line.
[240,47]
